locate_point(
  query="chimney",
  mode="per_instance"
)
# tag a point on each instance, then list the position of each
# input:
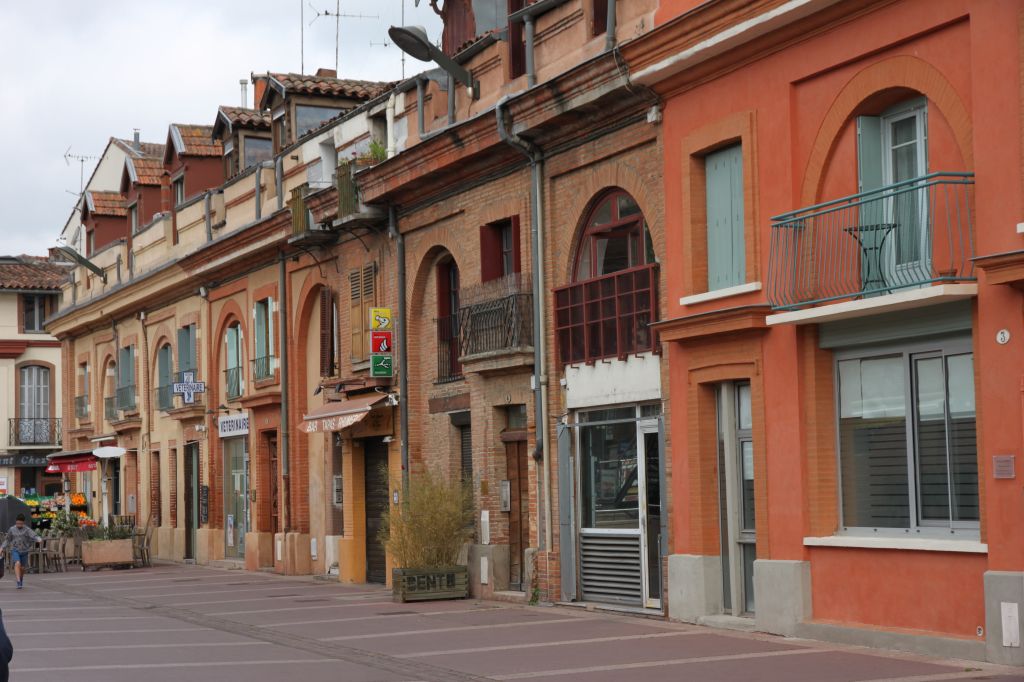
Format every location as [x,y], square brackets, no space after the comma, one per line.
[259,86]
[245,91]
[165,192]
[326,73]
[135,140]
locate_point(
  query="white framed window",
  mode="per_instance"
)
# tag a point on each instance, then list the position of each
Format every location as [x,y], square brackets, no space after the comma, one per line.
[179,191]
[33,312]
[133,217]
[906,434]
[904,158]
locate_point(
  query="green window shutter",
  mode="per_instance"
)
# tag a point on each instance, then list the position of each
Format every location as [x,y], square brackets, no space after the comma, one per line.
[261,329]
[270,327]
[869,177]
[193,356]
[232,347]
[724,184]
[164,367]
[184,360]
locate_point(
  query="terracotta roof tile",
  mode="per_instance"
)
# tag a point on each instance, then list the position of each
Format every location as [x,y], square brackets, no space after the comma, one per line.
[148,165]
[106,203]
[251,119]
[332,87]
[30,272]
[198,140]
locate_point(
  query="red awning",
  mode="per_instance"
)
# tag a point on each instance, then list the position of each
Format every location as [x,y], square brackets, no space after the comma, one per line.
[341,415]
[71,462]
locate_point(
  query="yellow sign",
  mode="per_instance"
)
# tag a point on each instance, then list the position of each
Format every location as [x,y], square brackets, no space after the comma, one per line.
[380,318]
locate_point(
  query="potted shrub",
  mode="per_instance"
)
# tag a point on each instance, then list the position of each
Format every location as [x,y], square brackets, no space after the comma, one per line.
[425,535]
[107,546]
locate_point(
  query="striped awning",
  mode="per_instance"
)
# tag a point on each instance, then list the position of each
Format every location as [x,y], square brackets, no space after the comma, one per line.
[338,416]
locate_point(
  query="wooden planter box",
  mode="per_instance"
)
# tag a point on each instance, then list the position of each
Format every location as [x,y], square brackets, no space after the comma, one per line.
[107,553]
[425,584]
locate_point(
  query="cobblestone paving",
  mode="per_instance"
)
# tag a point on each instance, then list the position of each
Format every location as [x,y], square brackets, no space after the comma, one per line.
[176,622]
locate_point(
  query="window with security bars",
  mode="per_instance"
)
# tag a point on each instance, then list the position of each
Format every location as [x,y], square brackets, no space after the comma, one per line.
[328,333]
[362,297]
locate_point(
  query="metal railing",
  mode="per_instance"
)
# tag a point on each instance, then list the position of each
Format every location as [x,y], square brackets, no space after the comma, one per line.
[607,316]
[233,382]
[448,366]
[498,324]
[905,235]
[163,398]
[110,408]
[34,431]
[82,406]
[263,368]
[126,397]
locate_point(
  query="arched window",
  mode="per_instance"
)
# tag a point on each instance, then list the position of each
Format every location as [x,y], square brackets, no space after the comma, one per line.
[233,361]
[448,366]
[615,238]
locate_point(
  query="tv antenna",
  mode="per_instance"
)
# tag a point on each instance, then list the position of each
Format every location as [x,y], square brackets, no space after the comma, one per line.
[338,15]
[81,159]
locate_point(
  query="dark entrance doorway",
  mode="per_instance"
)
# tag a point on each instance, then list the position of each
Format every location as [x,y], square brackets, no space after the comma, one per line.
[272,470]
[517,471]
[375,454]
[191,498]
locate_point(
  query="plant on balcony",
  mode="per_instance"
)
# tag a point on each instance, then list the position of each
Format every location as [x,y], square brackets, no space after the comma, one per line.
[425,535]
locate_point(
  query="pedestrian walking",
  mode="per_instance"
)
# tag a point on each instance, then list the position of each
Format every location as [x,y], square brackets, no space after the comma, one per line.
[20,540]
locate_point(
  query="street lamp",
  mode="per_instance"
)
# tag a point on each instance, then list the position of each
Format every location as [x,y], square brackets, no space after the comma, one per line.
[414,42]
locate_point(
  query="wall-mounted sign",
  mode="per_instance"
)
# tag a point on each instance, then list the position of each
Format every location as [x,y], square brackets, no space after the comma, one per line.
[1003,337]
[230,425]
[1003,466]
[23,461]
[188,387]
[381,365]
[380,318]
[380,342]
[204,504]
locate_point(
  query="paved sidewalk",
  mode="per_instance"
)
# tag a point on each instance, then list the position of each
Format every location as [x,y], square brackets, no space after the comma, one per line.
[175,622]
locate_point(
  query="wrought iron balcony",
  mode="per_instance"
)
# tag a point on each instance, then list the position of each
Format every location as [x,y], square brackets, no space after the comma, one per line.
[126,398]
[233,382]
[448,366]
[82,406]
[110,408]
[907,235]
[607,316]
[496,316]
[263,368]
[163,398]
[34,431]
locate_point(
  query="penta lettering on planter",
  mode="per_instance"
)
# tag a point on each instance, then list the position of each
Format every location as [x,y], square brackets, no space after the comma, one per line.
[413,584]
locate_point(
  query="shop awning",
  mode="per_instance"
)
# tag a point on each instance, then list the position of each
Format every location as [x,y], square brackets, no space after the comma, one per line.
[341,415]
[70,462]
[109,452]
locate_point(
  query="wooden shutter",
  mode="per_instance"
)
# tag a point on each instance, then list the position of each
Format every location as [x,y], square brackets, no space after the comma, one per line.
[164,366]
[724,189]
[466,453]
[870,176]
[362,292]
[368,301]
[260,316]
[184,359]
[326,335]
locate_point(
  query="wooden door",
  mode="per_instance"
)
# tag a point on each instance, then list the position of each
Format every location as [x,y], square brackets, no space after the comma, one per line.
[517,464]
[376,489]
[272,471]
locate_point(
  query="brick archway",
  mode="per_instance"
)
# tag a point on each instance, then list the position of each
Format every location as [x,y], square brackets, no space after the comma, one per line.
[897,72]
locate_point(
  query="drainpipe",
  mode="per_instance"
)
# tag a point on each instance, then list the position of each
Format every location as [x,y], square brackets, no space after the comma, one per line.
[609,35]
[147,403]
[540,379]
[258,198]
[531,74]
[279,181]
[451,100]
[282,284]
[403,364]
[390,118]
[419,106]
[209,218]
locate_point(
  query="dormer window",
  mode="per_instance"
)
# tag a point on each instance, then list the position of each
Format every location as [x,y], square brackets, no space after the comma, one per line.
[179,191]
[257,149]
[309,117]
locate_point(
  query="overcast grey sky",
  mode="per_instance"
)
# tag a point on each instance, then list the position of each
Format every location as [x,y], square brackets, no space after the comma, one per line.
[76,73]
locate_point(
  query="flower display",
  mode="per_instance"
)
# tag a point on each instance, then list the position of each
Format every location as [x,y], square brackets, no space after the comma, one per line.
[78,499]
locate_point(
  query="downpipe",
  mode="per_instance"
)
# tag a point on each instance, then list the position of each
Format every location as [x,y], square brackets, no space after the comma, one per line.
[403,362]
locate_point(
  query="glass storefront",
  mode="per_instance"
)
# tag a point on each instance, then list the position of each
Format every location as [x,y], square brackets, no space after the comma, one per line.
[236,496]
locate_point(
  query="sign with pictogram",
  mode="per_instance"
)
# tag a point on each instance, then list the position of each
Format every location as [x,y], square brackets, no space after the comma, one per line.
[380,342]
[188,387]
[380,318]
[381,365]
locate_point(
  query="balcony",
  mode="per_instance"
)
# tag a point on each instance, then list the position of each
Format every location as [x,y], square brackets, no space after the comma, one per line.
[448,366]
[351,211]
[34,431]
[233,383]
[263,368]
[82,407]
[900,237]
[126,398]
[110,408]
[163,398]
[496,317]
[305,232]
[607,316]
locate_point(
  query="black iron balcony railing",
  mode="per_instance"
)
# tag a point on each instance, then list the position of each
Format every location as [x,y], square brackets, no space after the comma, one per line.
[126,398]
[607,316]
[263,368]
[34,431]
[906,235]
[110,408]
[82,406]
[498,324]
[163,398]
[448,366]
[233,382]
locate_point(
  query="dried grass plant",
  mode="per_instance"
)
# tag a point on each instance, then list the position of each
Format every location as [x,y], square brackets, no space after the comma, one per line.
[428,529]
